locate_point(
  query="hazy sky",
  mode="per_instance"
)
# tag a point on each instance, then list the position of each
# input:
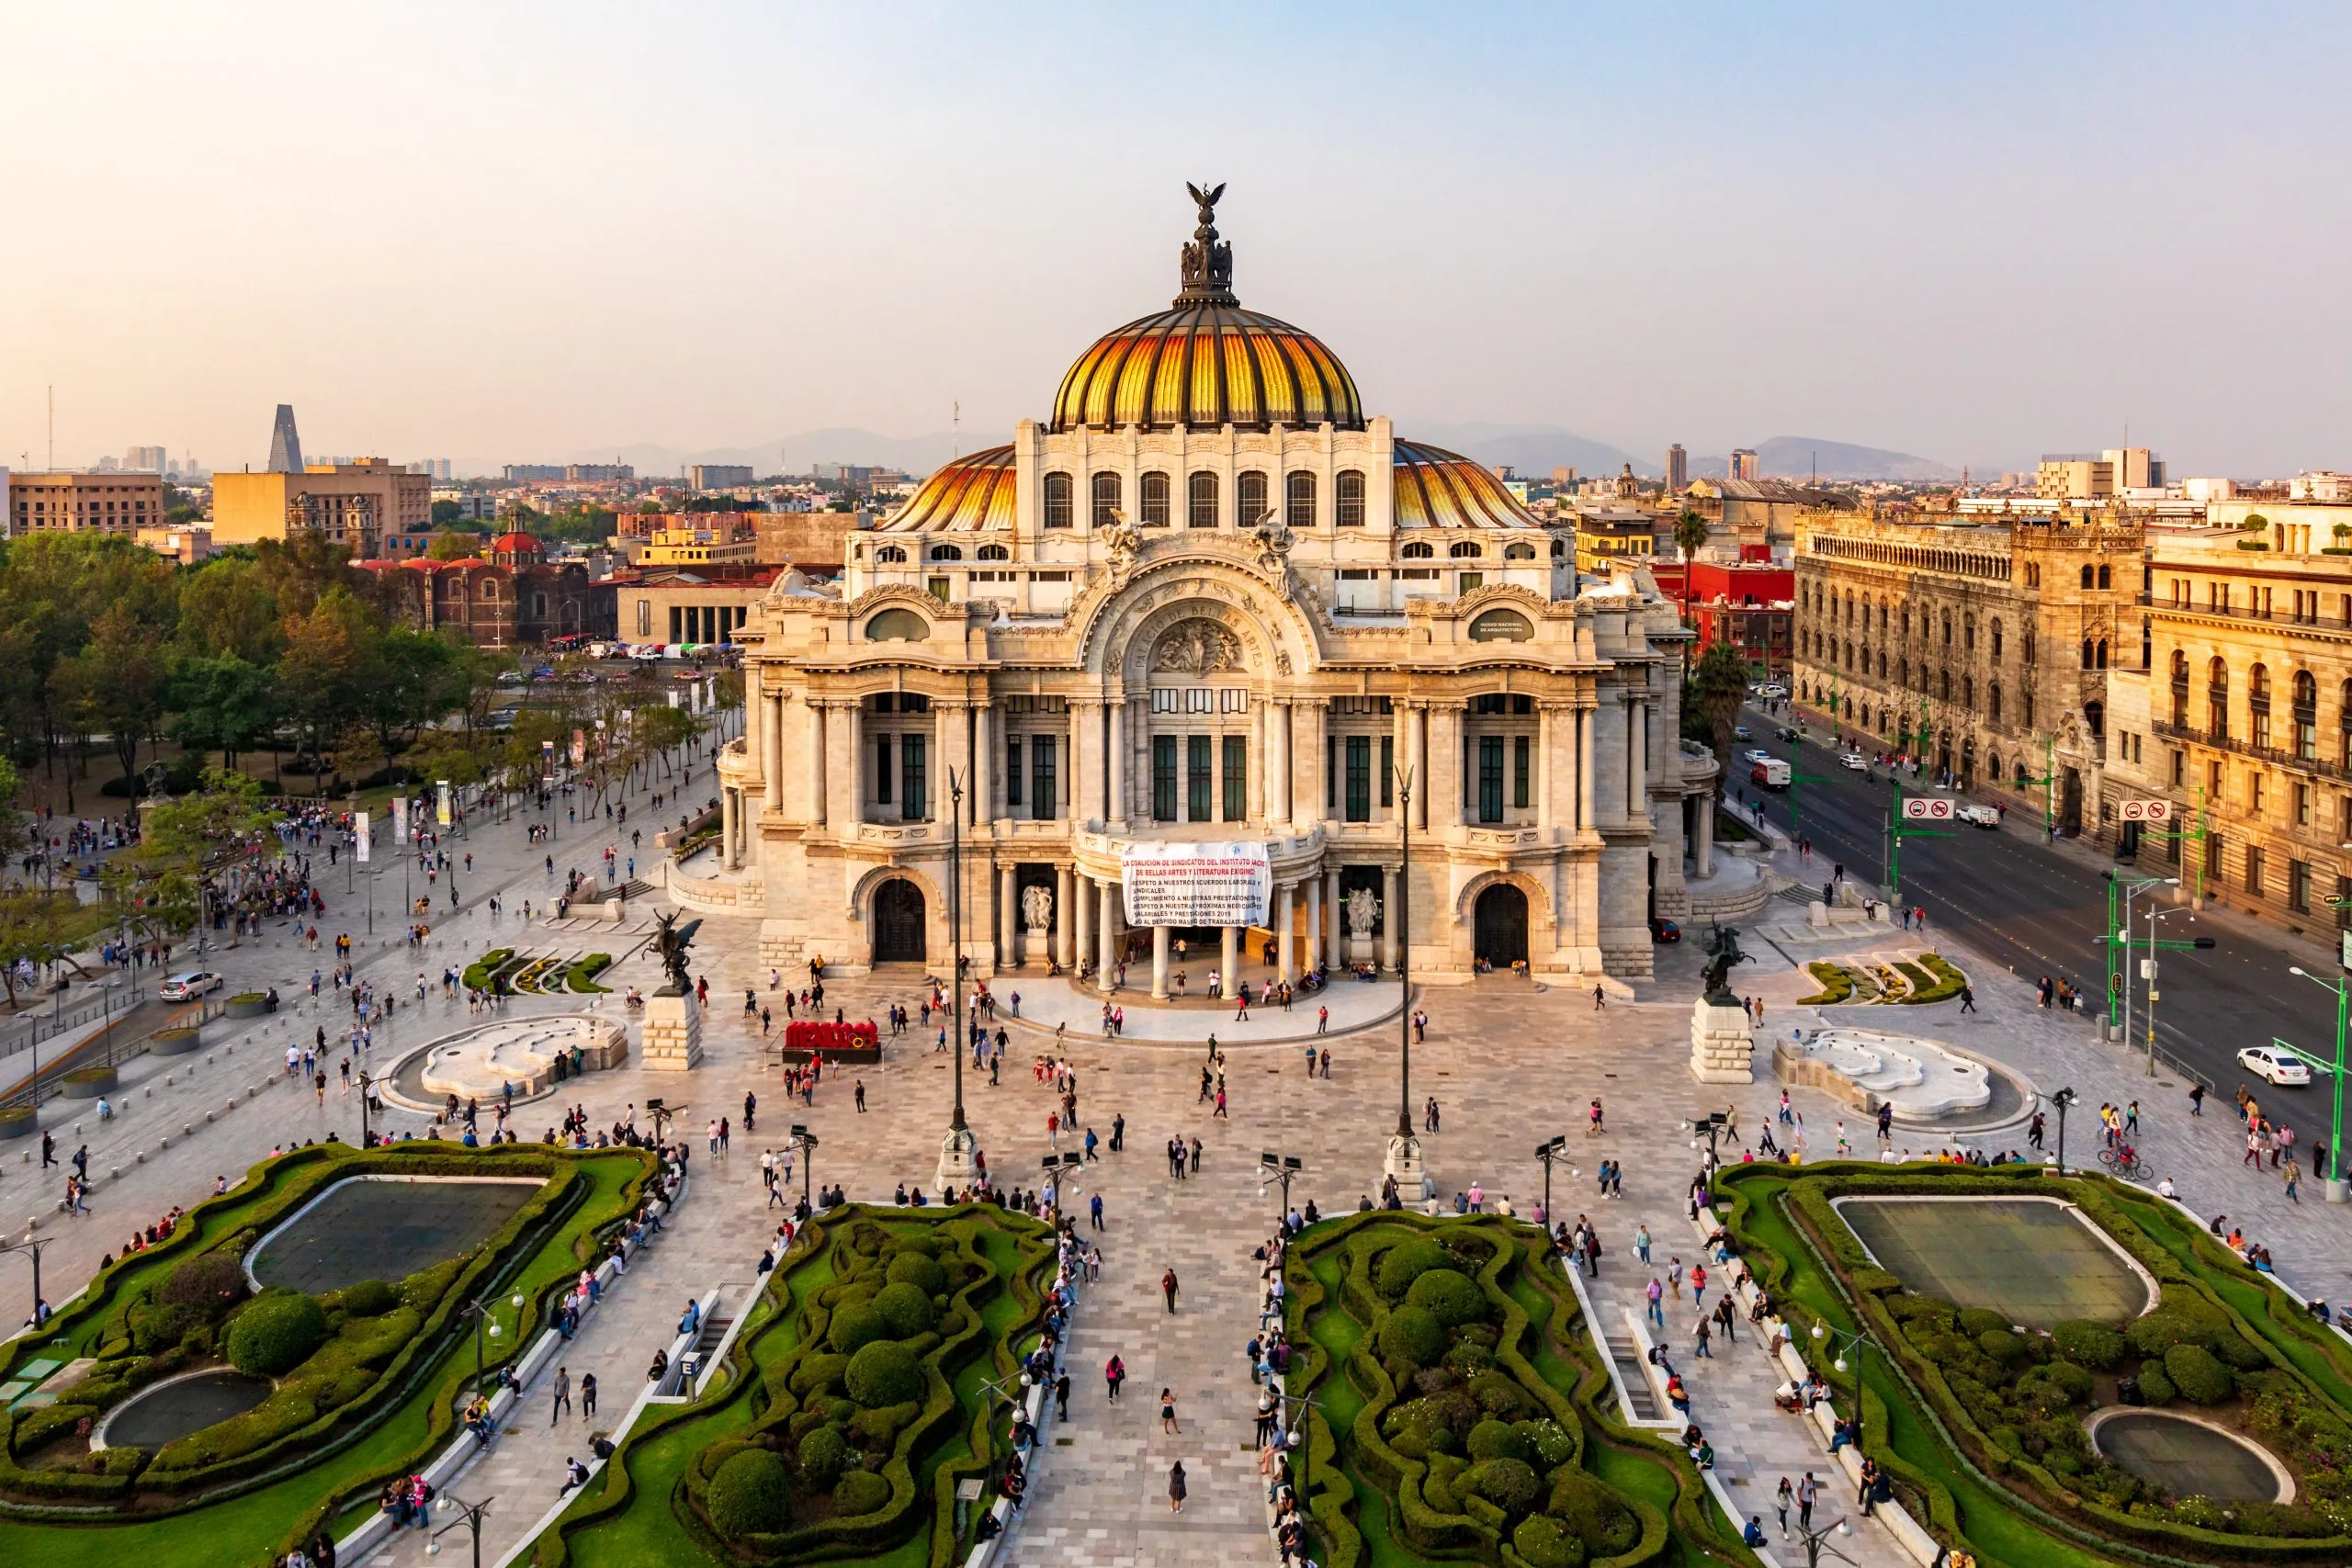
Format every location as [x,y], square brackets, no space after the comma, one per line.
[506,232]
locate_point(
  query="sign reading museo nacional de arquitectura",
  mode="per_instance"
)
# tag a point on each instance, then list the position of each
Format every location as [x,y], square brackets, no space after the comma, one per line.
[1196,884]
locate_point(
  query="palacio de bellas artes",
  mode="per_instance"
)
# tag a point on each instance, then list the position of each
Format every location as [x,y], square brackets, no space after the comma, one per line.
[1210,670]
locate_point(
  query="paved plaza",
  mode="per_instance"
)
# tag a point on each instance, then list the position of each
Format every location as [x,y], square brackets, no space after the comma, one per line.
[1509,1063]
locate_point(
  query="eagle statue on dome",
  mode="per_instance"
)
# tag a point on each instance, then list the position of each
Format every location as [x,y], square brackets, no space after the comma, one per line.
[1206,262]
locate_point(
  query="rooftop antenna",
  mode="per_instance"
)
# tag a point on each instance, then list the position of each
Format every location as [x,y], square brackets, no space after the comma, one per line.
[53,427]
[956,430]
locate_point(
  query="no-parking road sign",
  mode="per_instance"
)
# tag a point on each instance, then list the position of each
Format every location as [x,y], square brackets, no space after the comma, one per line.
[1920,806]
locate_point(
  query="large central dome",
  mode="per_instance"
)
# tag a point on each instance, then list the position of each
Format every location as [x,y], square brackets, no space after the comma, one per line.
[1205,362]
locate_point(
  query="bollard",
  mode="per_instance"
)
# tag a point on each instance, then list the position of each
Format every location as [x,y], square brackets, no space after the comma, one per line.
[139,1157]
[77,1129]
[167,1081]
[163,1143]
[113,1173]
[208,1116]
[187,1129]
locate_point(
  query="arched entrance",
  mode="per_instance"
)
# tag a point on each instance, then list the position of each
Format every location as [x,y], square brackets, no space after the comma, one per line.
[898,922]
[1499,925]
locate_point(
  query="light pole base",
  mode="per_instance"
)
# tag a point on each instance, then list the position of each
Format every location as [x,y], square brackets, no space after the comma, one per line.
[2339,1190]
[1403,1163]
[957,1168]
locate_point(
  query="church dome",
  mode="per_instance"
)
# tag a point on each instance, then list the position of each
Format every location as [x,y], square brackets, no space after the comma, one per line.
[1205,362]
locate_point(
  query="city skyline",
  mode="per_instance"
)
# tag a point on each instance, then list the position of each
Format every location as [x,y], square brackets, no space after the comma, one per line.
[520,234]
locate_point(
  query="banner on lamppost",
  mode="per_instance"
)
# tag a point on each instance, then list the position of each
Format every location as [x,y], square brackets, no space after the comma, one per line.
[441,802]
[359,823]
[546,760]
[1196,884]
[399,818]
[579,747]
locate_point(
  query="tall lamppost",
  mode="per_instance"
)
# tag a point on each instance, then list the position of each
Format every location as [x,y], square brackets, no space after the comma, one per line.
[805,1140]
[1403,1165]
[1551,1152]
[2063,1100]
[1284,1169]
[473,1513]
[30,1247]
[955,1162]
[1840,1344]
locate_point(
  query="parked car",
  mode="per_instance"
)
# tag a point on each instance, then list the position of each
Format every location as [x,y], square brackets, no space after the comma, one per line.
[187,988]
[1854,762]
[1976,815]
[1663,929]
[2274,1065]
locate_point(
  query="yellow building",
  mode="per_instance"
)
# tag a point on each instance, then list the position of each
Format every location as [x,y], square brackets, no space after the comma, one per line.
[703,548]
[77,502]
[354,503]
[1608,537]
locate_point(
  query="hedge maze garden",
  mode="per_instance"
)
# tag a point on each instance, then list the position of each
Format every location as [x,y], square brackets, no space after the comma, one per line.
[354,1386]
[856,1398]
[1983,1415]
[1460,1409]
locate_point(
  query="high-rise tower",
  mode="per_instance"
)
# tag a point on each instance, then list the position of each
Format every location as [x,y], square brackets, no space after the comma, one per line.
[285,443]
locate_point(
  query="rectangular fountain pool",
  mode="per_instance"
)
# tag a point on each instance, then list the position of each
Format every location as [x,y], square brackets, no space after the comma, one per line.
[366,1229]
[2035,1260]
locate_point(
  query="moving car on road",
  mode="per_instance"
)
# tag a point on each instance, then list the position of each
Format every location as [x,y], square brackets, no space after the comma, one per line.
[2274,1065]
[1976,815]
[187,988]
[1854,762]
[1769,772]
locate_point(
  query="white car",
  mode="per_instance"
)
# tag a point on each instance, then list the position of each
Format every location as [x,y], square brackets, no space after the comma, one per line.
[1854,762]
[1759,755]
[2276,1066]
[189,987]
[1772,689]
[1976,815]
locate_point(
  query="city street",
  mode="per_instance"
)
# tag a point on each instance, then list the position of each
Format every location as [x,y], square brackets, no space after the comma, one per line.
[2038,909]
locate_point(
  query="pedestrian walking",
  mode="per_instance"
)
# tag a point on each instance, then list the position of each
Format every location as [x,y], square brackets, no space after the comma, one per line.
[1783,1500]
[1094,1211]
[1167,1288]
[1061,1397]
[1600,999]
[1967,998]
[1168,1412]
[1808,1492]
[561,1405]
[1114,1372]
[588,1395]
[1176,1486]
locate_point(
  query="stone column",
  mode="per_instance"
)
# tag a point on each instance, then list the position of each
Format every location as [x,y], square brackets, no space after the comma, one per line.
[1008,915]
[1159,963]
[1585,717]
[1445,766]
[1417,758]
[1279,780]
[979,790]
[1106,961]
[816,762]
[772,747]
[1315,954]
[727,815]
[1637,745]
[846,773]
[1316,766]
[1064,954]
[1086,759]
[1388,917]
[1283,961]
[1543,766]
[1082,922]
[1334,928]
[1118,762]
[1706,853]
[1230,967]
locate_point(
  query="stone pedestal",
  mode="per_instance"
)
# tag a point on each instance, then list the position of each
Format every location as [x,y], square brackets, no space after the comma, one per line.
[673,1032]
[1403,1161]
[957,1168]
[1722,1050]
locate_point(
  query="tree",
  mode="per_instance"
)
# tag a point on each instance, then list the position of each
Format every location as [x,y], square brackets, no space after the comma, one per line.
[314,681]
[450,545]
[228,606]
[1719,685]
[164,881]
[117,682]
[15,828]
[445,512]
[224,704]
[41,929]
[1690,537]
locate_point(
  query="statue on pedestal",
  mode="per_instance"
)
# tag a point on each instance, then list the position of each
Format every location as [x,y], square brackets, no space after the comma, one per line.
[671,943]
[1723,952]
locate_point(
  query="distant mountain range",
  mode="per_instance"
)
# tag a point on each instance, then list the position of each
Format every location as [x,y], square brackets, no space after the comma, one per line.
[1534,449]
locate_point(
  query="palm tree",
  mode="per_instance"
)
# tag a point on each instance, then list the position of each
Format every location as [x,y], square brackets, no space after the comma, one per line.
[1690,537]
[1719,685]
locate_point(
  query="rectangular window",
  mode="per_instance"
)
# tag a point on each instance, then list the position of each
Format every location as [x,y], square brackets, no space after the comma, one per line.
[2299,887]
[1330,773]
[2343,903]
[937,587]
[1164,699]
[1200,699]
[1045,792]
[882,769]
[1196,778]
[1237,777]
[1388,770]
[2254,792]
[2254,870]
[645,618]
[1163,778]
[1490,778]
[914,805]
[1013,770]
[1470,580]
[2214,854]
[1359,778]
[2302,806]
[1521,765]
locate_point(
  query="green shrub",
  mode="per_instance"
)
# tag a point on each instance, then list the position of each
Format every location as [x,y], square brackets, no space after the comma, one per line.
[211,1284]
[751,1494]
[1510,1484]
[1542,1542]
[1410,1335]
[1499,1396]
[2172,1324]
[1593,1513]
[2002,1346]
[1468,1358]
[2069,1379]
[1836,986]
[2235,1350]
[824,1453]
[1977,1320]
[1448,1295]
[2198,1375]
[884,1372]
[1550,1442]
[277,1333]
[1406,1262]
[913,1268]
[2155,1387]
[1491,1439]
[860,1492]
[2093,1345]
[817,1372]
[369,1298]
[856,1324]
[907,1307]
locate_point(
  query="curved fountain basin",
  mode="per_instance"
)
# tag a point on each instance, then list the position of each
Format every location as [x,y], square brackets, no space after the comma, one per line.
[168,1411]
[1920,1078]
[2185,1455]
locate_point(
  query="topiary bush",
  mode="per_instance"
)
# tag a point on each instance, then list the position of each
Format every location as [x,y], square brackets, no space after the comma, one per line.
[277,1333]
[824,1453]
[2198,1374]
[907,1307]
[913,1268]
[856,1324]
[860,1492]
[1410,1335]
[367,1298]
[1406,1262]
[1543,1541]
[1448,1295]
[1591,1513]
[1510,1484]
[210,1284]
[1491,1439]
[2155,1387]
[884,1372]
[2002,1345]
[751,1494]
[2088,1344]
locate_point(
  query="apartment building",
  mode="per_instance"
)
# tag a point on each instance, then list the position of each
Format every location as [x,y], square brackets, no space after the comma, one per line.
[75,501]
[356,504]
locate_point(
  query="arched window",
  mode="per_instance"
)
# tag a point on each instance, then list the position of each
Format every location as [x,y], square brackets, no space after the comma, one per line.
[2104,578]
[2257,702]
[889,555]
[1519,552]
[2306,717]
[1058,501]
[897,626]
[947,552]
[1501,625]
[1993,712]
[2088,653]
[1348,492]
[1155,501]
[1106,499]
[991,552]
[1946,684]
[490,588]
[1249,491]
[1298,499]
[2088,578]
[1968,633]
[1417,550]
[1946,628]
[1559,550]
[2217,698]
[1466,549]
[2028,648]
[1200,501]
[2102,655]
[1996,653]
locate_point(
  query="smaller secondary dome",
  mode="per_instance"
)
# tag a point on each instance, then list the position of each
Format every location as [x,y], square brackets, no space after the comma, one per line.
[975,492]
[515,543]
[1438,489]
[1204,362]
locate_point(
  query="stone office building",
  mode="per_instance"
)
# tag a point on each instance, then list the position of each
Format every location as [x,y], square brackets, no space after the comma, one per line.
[1211,599]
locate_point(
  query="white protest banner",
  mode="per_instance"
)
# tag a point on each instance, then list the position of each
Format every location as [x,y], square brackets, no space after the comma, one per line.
[441,792]
[400,819]
[1196,884]
[359,826]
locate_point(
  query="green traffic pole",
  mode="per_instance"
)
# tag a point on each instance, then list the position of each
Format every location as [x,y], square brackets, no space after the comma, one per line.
[1895,848]
[2335,1142]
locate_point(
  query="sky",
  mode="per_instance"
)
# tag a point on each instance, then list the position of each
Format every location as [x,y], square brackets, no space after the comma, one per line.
[505,232]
